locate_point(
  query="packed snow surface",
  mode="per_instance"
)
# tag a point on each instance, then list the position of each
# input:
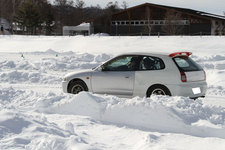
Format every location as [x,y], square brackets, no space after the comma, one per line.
[37,115]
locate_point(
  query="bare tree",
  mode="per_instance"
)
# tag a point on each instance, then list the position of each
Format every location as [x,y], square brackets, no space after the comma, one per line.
[149,25]
[109,10]
[63,11]
[173,24]
[112,7]
[79,4]
[124,5]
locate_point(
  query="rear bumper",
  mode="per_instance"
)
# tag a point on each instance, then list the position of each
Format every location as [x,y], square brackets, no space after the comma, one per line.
[188,89]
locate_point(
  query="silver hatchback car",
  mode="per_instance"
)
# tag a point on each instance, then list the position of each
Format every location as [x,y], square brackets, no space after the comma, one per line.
[141,74]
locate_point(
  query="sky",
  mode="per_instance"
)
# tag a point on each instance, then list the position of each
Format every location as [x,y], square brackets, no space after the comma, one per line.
[210,6]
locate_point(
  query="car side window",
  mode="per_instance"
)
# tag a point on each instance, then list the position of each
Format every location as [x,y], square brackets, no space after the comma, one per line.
[151,63]
[123,63]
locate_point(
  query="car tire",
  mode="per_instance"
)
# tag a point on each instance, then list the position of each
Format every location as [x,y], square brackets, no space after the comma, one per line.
[77,87]
[158,90]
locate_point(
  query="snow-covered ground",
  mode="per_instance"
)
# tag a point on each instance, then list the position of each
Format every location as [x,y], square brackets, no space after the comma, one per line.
[36,115]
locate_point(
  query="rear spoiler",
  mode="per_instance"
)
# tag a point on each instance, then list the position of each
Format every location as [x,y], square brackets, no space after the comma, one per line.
[180,54]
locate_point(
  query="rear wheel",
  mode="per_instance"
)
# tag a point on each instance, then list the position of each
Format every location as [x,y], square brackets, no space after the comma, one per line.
[77,87]
[158,90]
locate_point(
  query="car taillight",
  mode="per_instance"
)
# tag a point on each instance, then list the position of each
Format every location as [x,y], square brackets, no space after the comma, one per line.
[183,77]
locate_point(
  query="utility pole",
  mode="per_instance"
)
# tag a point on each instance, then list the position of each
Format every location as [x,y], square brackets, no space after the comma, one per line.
[13,14]
[1,12]
[1,19]
[116,28]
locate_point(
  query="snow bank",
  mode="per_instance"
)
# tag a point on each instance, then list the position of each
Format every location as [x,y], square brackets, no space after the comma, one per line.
[29,70]
[45,135]
[158,113]
[35,114]
[55,61]
[22,130]
[27,77]
[114,45]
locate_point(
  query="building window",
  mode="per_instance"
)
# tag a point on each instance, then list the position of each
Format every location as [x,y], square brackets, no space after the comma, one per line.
[186,22]
[152,22]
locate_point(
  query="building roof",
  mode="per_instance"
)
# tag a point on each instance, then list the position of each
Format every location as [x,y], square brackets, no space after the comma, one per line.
[183,10]
[83,26]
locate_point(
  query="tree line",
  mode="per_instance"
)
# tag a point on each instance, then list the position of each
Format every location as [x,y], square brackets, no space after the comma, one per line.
[35,17]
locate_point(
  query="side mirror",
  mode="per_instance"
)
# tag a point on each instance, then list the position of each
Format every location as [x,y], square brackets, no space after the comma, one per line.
[100,68]
[103,68]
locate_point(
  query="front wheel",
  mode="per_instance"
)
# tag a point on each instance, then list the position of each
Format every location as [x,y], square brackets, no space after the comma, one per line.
[158,90]
[77,87]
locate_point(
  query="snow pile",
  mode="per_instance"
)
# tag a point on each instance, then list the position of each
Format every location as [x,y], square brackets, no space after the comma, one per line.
[22,130]
[56,61]
[24,100]
[37,71]
[158,113]
[30,120]
[45,135]
[24,77]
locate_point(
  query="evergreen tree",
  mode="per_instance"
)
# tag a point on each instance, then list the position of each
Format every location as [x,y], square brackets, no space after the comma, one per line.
[28,17]
[49,20]
[47,16]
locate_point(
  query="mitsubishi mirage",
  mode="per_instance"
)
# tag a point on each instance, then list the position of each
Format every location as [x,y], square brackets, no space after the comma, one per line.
[142,74]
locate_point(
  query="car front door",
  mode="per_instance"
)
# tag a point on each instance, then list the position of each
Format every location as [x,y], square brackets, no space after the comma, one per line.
[115,77]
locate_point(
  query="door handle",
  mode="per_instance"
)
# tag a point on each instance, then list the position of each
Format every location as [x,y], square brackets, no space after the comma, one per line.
[127,77]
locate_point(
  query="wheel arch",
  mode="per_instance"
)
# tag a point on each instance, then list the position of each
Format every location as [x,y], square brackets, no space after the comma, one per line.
[157,86]
[76,79]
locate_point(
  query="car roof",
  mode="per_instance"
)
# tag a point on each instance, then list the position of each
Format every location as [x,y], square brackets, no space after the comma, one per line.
[147,53]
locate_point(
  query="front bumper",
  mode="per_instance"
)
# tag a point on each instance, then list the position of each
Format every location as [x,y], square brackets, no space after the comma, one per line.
[65,86]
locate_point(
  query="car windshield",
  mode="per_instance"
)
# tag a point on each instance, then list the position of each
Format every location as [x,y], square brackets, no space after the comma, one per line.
[185,63]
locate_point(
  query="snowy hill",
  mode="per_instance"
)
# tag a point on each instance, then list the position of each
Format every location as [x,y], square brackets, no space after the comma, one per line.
[36,115]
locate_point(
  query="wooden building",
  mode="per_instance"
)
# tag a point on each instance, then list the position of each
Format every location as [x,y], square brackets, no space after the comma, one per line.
[152,19]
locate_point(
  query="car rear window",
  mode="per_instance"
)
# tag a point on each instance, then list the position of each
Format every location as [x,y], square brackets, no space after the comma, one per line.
[185,63]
